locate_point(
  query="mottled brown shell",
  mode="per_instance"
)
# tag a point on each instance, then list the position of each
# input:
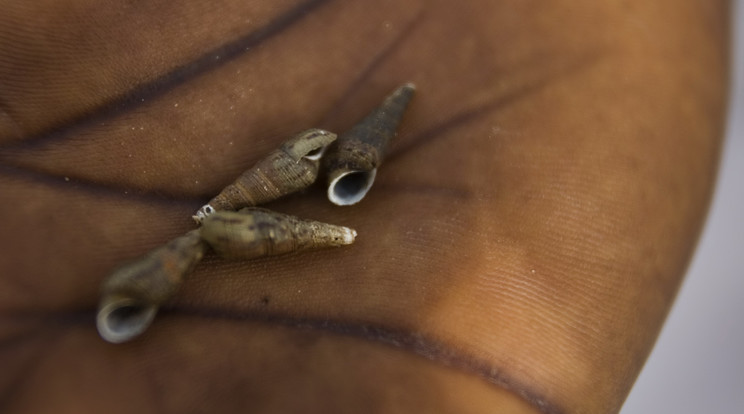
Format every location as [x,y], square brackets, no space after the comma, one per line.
[353,160]
[256,232]
[290,168]
[133,292]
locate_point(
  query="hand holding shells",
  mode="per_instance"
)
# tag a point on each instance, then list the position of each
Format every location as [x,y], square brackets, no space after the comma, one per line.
[132,294]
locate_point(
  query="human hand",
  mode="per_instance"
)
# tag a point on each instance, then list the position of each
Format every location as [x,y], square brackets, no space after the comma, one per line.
[518,253]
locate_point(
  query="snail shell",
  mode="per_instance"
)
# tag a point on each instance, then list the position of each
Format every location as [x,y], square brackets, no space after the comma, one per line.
[132,294]
[256,232]
[290,168]
[353,160]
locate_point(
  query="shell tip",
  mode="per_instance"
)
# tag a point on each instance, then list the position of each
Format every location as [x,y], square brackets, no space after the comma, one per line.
[349,235]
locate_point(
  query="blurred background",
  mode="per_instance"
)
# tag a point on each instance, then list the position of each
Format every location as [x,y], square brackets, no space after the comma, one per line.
[697,365]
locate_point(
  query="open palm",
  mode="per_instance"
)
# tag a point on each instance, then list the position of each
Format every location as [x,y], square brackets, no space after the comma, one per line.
[518,253]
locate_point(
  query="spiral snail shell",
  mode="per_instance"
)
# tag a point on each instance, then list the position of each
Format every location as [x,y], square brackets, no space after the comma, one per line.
[290,168]
[353,160]
[256,232]
[132,294]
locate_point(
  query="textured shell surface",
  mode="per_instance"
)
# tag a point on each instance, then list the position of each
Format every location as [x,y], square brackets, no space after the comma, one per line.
[154,277]
[256,232]
[288,169]
[132,293]
[353,160]
[309,144]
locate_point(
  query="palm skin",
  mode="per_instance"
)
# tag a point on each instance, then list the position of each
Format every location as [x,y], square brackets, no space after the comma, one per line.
[518,253]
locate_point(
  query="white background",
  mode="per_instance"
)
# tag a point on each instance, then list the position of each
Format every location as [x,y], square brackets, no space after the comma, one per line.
[697,365]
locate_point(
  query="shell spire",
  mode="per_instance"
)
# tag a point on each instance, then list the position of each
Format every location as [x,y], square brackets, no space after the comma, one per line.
[290,168]
[353,160]
[132,294]
[257,232]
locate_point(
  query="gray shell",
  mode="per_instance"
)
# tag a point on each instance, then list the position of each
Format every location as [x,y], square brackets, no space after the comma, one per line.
[290,168]
[257,232]
[132,294]
[353,160]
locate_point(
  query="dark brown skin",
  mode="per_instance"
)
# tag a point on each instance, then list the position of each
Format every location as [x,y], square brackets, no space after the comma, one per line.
[518,253]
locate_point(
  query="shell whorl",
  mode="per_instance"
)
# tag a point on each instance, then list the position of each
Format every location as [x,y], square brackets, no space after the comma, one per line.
[132,294]
[290,168]
[353,160]
[256,232]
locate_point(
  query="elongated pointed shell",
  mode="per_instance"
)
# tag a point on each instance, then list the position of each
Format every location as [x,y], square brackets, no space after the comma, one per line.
[353,160]
[256,232]
[132,294]
[290,168]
